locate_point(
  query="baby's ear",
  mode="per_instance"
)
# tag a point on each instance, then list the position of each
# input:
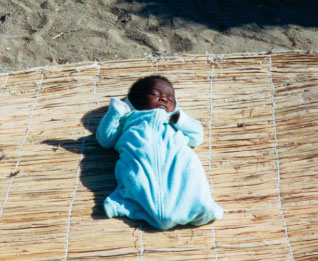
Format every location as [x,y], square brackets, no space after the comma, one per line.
[130,105]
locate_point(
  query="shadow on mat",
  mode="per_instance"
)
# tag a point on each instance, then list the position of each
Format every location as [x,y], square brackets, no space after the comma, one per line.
[225,14]
[97,164]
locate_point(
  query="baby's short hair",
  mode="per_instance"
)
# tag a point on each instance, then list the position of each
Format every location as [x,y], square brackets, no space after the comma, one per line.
[137,92]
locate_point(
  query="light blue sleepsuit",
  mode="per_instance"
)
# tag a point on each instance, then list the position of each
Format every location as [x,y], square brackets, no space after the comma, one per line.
[160,178]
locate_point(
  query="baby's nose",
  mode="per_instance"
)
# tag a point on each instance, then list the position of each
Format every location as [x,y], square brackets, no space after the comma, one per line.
[164,98]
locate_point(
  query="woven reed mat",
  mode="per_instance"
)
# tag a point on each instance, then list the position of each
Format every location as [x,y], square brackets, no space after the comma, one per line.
[260,114]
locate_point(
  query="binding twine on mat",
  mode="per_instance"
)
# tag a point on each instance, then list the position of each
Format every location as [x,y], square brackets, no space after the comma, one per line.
[15,171]
[277,160]
[4,69]
[210,57]
[81,156]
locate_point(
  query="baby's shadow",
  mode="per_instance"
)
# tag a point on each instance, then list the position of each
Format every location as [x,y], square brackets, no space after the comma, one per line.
[97,164]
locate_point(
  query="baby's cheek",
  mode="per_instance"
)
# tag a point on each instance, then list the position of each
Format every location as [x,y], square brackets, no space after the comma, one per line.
[172,108]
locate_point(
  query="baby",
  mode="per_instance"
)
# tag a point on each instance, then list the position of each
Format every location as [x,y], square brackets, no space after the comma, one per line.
[160,178]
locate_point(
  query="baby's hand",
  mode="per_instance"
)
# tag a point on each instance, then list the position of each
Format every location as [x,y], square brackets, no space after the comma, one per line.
[174,117]
[119,105]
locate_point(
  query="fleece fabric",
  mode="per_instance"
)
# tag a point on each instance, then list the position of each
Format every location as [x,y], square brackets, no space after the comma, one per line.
[160,178]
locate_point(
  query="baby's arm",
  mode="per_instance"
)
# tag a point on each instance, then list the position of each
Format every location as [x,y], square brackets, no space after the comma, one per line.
[190,127]
[109,130]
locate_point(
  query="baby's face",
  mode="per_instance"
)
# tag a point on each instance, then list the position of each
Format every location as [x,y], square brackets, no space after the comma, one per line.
[161,95]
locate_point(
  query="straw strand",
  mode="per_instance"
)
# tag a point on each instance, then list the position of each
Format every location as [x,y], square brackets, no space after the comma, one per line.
[93,65]
[277,161]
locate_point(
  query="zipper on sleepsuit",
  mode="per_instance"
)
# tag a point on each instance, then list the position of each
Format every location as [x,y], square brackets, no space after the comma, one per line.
[158,163]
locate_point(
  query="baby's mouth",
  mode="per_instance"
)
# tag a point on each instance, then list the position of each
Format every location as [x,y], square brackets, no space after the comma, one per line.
[161,106]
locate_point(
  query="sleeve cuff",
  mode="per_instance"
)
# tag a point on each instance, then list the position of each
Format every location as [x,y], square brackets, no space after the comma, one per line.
[182,119]
[119,106]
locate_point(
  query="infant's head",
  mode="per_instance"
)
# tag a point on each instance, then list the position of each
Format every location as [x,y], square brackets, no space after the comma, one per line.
[152,92]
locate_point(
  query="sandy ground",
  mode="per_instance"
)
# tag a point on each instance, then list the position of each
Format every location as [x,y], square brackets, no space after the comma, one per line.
[45,32]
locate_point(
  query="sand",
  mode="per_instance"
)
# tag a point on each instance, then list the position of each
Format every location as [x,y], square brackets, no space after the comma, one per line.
[48,32]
